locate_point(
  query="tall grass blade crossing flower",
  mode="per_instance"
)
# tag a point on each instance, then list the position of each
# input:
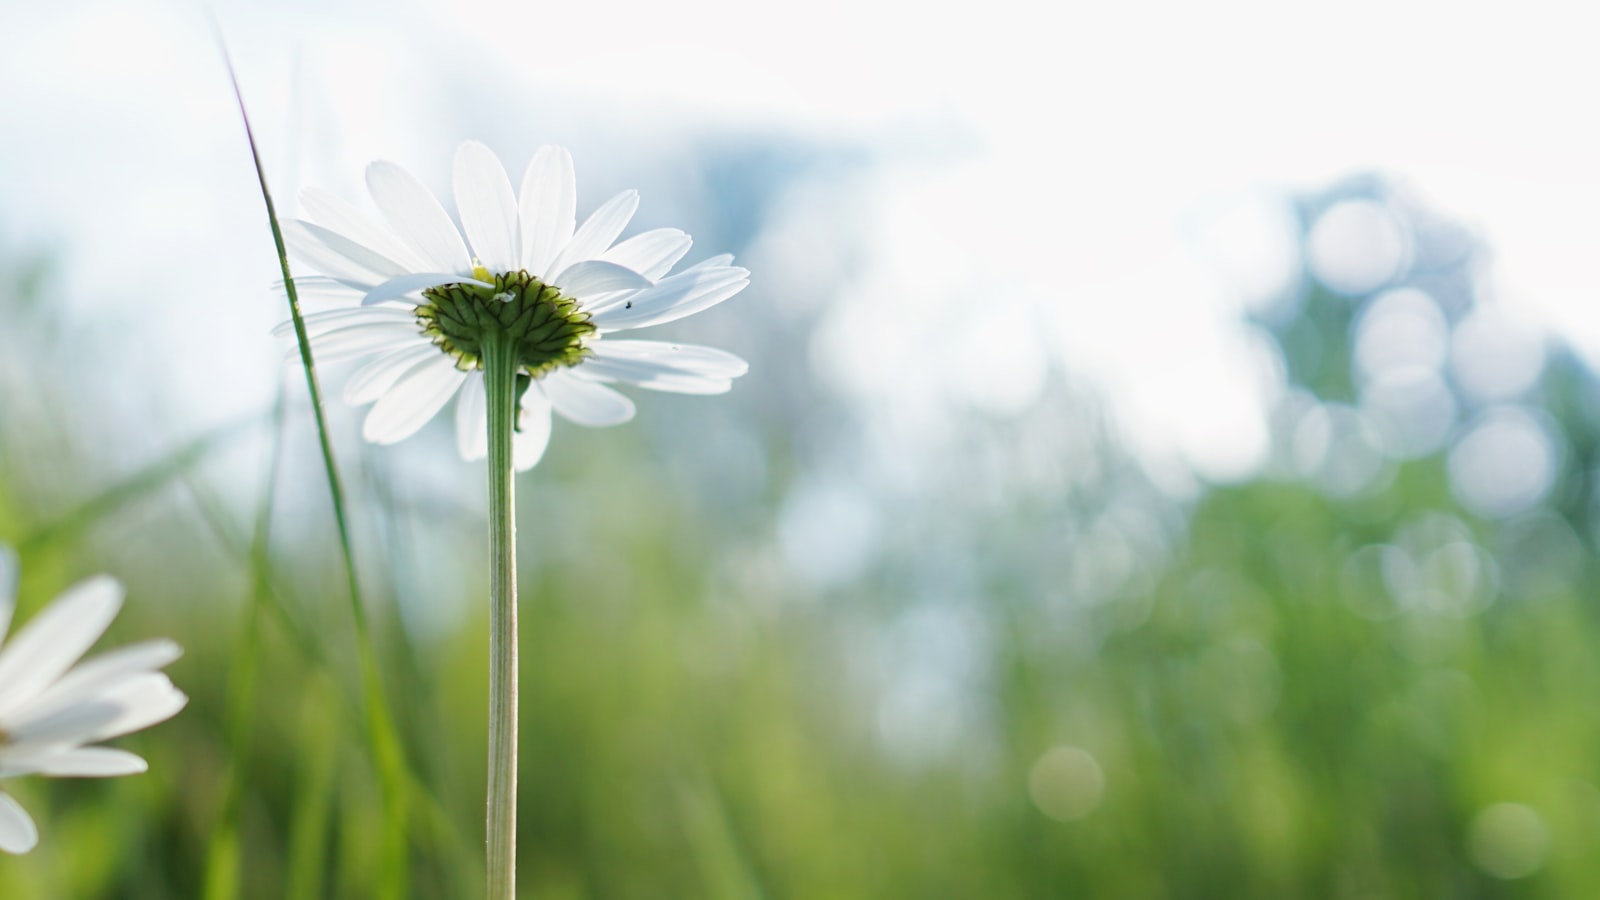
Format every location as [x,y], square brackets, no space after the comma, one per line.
[381,733]
[515,316]
[53,709]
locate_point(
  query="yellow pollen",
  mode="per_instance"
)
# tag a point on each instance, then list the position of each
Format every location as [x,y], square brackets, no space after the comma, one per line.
[479,272]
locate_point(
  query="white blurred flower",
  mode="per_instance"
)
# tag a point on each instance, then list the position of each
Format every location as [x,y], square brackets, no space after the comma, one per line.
[52,709]
[418,293]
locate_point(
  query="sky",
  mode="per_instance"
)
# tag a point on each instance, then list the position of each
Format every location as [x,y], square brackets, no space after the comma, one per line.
[1104,182]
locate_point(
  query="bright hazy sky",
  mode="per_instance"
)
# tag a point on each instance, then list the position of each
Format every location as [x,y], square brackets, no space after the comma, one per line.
[1115,153]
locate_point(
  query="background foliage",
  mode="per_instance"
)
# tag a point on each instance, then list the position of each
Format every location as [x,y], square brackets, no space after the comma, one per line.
[774,648]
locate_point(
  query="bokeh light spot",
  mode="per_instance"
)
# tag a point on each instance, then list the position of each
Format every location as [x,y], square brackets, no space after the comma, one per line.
[1066,783]
[1401,328]
[1356,246]
[1506,463]
[1493,358]
[1460,579]
[1411,409]
[1509,840]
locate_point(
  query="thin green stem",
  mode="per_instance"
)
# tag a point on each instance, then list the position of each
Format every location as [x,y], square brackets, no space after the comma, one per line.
[70,525]
[500,381]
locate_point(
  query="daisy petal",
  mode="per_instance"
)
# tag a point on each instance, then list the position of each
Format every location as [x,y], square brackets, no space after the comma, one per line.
[533,429]
[306,248]
[594,237]
[136,703]
[73,724]
[373,379]
[352,341]
[651,254]
[17,832]
[549,204]
[715,262]
[472,418]
[17,765]
[654,376]
[674,297]
[412,401]
[357,253]
[488,208]
[659,366]
[416,215]
[140,702]
[322,287]
[586,402]
[401,285]
[332,212]
[674,357]
[21,761]
[56,638]
[101,674]
[92,762]
[593,277]
[324,322]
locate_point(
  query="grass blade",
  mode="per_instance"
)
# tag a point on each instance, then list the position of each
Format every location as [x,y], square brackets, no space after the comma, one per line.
[385,744]
[142,483]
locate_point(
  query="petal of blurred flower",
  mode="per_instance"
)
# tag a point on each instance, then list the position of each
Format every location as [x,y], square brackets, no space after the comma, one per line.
[53,707]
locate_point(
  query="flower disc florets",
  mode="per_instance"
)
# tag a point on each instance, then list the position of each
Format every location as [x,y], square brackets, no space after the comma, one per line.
[546,327]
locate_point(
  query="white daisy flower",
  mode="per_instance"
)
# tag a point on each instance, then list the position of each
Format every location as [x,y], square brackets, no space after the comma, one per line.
[51,709]
[562,291]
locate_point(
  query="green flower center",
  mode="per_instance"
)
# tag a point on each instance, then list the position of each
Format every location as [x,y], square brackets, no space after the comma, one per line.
[546,328]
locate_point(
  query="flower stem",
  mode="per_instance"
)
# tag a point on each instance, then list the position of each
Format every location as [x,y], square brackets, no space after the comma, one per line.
[500,382]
